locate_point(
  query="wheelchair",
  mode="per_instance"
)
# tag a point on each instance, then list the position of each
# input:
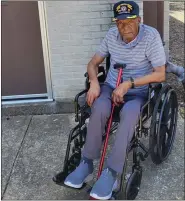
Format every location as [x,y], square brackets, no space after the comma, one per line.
[157,121]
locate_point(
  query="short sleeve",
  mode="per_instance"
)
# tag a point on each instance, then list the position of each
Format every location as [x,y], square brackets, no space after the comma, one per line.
[103,48]
[155,51]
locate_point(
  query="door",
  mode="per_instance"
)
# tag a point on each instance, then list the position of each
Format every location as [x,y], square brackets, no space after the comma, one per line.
[23,72]
[153,14]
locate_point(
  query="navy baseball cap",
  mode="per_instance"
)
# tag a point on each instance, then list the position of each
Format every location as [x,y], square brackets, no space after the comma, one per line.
[125,10]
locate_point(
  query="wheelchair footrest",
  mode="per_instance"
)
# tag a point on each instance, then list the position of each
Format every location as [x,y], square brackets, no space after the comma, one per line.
[60,178]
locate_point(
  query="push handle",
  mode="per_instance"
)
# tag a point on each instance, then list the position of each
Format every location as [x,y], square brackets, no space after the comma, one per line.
[118,66]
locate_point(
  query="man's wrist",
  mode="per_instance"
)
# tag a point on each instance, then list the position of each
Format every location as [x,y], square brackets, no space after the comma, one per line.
[94,82]
[128,84]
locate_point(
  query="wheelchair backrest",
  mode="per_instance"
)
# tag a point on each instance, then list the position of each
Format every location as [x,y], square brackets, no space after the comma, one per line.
[107,63]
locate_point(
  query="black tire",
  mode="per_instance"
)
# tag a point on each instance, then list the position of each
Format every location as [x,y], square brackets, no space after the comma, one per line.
[130,186]
[128,169]
[133,185]
[161,137]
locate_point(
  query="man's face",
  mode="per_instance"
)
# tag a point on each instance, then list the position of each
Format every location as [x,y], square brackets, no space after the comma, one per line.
[128,28]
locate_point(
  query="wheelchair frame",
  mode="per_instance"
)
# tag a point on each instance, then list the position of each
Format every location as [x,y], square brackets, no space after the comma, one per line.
[161,107]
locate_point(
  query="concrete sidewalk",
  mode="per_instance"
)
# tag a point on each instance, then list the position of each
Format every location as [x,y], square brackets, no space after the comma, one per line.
[33,150]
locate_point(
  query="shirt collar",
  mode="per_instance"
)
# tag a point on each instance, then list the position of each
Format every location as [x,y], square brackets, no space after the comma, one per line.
[135,41]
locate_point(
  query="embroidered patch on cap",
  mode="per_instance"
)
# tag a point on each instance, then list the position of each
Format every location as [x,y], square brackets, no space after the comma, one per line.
[124,9]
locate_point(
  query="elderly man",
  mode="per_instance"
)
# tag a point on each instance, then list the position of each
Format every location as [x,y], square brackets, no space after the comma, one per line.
[139,47]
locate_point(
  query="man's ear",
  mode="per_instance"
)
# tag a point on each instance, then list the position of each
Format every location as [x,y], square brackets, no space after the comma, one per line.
[139,19]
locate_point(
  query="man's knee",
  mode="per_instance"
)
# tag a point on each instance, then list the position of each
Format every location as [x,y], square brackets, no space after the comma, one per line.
[101,106]
[130,111]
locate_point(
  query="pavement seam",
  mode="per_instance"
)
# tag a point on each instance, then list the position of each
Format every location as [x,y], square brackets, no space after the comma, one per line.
[16,158]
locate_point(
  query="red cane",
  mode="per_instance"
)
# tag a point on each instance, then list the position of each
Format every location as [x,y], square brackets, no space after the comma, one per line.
[120,67]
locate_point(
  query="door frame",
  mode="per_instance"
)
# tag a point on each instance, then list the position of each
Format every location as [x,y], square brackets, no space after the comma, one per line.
[46,57]
[45,46]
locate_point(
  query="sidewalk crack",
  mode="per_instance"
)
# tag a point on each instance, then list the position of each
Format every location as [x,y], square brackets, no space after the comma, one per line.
[6,186]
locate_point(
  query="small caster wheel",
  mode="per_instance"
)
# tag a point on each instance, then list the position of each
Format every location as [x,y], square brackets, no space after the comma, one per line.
[133,185]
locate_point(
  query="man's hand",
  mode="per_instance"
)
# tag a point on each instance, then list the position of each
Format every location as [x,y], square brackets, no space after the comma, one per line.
[119,92]
[92,70]
[93,93]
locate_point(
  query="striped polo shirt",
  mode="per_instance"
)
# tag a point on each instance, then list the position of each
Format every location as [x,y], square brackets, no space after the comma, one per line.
[141,55]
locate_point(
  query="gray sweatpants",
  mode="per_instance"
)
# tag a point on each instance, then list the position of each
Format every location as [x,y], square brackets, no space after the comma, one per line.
[129,116]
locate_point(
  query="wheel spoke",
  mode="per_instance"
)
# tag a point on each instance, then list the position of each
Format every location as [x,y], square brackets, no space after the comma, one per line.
[163,130]
[167,112]
[162,140]
[157,122]
[165,139]
[169,117]
[164,145]
[168,131]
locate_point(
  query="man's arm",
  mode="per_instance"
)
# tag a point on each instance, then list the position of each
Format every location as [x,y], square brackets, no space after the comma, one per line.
[157,76]
[92,67]
[92,70]
[97,59]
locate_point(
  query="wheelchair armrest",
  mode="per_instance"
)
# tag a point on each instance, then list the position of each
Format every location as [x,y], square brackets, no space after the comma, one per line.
[101,73]
[154,85]
[80,94]
[86,74]
[101,76]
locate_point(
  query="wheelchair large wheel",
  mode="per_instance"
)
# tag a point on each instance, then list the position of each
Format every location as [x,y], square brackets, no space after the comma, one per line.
[163,125]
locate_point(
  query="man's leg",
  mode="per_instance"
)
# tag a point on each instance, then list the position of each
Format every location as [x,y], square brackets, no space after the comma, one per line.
[100,113]
[129,117]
